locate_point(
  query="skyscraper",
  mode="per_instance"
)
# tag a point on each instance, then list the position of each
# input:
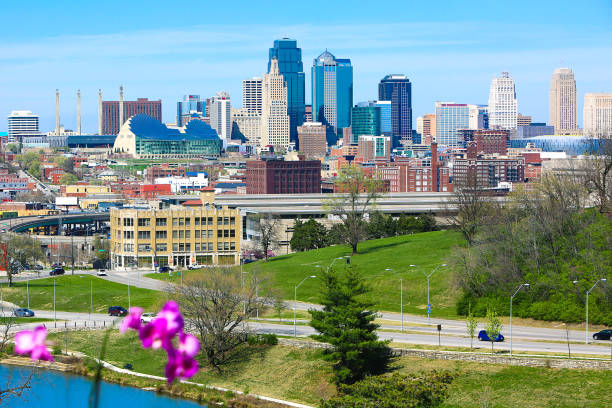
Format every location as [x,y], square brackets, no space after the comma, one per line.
[113,116]
[190,105]
[562,103]
[598,114]
[289,58]
[251,95]
[220,113]
[450,117]
[502,103]
[274,116]
[332,93]
[22,123]
[398,89]
[365,121]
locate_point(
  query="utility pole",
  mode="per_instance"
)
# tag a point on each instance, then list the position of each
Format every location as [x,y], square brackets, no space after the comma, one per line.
[72,250]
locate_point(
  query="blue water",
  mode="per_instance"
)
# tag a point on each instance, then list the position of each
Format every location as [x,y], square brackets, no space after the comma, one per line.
[52,389]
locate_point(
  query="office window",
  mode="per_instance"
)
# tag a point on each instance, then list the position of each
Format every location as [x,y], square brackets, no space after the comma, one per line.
[181,247]
[232,246]
[144,234]
[196,221]
[197,246]
[210,220]
[161,222]
[128,234]
[161,247]
[219,246]
[128,222]
[175,234]
[187,234]
[187,222]
[232,220]
[187,247]
[181,221]
[144,222]
[161,234]
[181,234]
[197,233]
[210,233]
[219,233]
[175,222]
[175,247]
[210,246]
[232,233]
[219,220]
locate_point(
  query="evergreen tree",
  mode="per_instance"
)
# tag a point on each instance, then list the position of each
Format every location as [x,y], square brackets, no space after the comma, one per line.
[347,323]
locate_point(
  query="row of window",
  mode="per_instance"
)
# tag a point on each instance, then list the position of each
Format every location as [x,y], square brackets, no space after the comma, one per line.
[181,234]
[182,247]
[179,221]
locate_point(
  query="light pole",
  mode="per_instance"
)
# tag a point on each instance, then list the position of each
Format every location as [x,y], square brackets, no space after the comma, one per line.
[401,296]
[332,263]
[129,299]
[54,311]
[295,303]
[28,291]
[526,285]
[586,333]
[428,276]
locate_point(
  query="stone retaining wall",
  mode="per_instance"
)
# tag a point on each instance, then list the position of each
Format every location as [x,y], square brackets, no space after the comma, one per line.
[476,357]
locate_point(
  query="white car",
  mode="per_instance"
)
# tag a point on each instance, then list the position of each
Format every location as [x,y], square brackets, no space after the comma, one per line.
[147,317]
[195,265]
[101,272]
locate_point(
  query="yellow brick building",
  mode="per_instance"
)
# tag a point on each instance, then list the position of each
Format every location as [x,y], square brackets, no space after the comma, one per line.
[176,236]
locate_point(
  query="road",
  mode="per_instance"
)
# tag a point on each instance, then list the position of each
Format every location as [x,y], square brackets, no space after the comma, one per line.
[416,328]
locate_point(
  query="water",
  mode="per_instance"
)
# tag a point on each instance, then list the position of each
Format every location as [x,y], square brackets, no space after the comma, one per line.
[52,389]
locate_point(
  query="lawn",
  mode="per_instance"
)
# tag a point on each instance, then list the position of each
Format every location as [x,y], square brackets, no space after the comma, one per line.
[427,250]
[72,294]
[302,375]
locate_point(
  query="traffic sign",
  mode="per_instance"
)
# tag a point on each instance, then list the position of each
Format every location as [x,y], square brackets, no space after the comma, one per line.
[429,308]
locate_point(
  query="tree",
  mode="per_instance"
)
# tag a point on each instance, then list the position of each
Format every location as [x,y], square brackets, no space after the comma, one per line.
[597,173]
[13,148]
[493,326]
[353,203]
[68,179]
[216,305]
[17,251]
[267,226]
[381,225]
[347,323]
[308,235]
[471,324]
[394,391]
[101,247]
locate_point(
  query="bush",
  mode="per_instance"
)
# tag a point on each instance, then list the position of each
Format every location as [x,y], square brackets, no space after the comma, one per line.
[263,339]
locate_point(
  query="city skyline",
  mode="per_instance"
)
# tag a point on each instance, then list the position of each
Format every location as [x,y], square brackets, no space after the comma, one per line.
[217,57]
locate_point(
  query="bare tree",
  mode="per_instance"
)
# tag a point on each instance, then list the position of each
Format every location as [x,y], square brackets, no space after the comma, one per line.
[11,391]
[17,251]
[597,172]
[356,197]
[267,226]
[216,305]
[6,337]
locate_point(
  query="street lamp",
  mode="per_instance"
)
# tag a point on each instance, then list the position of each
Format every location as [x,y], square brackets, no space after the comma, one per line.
[586,333]
[295,304]
[526,285]
[401,296]
[428,276]
[331,264]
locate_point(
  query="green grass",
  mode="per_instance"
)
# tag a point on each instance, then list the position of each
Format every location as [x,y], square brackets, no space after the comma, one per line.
[72,294]
[302,375]
[22,320]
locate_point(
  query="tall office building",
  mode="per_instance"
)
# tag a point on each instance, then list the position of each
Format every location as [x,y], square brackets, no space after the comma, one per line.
[289,58]
[597,114]
[398,89]
[313,142]
[429,126]
[251,95]
[523,120]
[450,118]
[246,125]
[220,113]
[332,93]
[479,117]
[502,103]
[562,103]
[274,117]
[186,109]
[22,124]
[386,124]
[366,121]
[112,118]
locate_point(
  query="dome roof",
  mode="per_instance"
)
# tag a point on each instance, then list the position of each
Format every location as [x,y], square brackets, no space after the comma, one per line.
[148,127]
[326,56]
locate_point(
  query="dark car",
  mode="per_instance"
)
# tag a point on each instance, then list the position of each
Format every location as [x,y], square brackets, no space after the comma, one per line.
[165,269]
[117,311]
[57,271]
[603,335]
[483,336]
[23,312]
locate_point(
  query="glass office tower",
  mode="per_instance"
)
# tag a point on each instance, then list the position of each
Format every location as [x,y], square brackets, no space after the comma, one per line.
[332,93]
[290,65]
[191,104]
[398,89]
[366,120]
[450,117]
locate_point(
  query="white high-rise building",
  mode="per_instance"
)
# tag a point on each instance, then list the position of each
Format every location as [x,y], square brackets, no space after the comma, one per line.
[598,114]
[562,103]
[248,124]
[251,95]
[220,113]
[502,103]
[22,124]
[478,116]
[274,117]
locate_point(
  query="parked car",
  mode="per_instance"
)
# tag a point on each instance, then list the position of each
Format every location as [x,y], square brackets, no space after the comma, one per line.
[195,265]
[117,311]
[23,312]
[147,317]
[101,272]
[165,269]
[483,336]
[603,335]
[57,271]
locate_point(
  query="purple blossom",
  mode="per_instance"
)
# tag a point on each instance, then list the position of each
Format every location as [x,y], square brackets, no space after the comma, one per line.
[171,314]
[155,335]
[32,342]
[132,320]
[180,366]
[189,345]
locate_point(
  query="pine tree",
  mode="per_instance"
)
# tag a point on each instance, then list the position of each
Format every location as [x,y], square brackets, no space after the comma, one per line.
[347,323]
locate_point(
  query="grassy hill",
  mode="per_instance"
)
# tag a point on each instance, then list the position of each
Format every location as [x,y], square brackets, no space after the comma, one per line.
[427,250]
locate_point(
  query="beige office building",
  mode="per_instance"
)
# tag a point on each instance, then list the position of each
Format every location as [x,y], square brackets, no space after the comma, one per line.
[312,138]
[177,236]
[598,114]
[249,125]
[562,102]
[274,117]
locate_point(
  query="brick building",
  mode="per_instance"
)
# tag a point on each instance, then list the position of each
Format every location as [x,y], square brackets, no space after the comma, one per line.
[312,138]
[110,113]
[273,176]
[486,141]
[487,172]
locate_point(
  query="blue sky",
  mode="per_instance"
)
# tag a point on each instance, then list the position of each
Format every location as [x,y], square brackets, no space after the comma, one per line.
[449,49]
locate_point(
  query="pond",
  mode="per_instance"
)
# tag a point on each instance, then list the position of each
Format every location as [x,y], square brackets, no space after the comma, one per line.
[52,389]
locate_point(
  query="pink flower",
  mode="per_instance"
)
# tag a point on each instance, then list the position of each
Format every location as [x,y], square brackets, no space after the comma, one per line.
[32,342]
[172,316]
[156,335]
[180,366]
[189,345]
[132,320]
